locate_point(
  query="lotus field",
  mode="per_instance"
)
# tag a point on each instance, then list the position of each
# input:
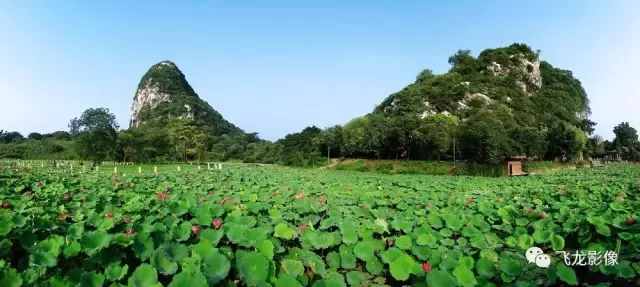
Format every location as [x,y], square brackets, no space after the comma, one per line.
[250,225]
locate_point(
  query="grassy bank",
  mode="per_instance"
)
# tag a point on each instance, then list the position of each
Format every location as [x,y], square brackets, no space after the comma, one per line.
[439,167]
[417,167]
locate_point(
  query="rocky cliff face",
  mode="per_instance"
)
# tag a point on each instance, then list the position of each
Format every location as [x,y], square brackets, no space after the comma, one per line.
[164,94]
[496,77]
[527,71]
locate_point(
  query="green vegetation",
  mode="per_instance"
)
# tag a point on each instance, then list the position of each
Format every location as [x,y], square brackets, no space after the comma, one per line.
[97,135]
[166,78]
[419,167]
[505,102]
[268,225]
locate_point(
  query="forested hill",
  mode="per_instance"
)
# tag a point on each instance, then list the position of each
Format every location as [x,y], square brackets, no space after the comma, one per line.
[504,102]
[164,94]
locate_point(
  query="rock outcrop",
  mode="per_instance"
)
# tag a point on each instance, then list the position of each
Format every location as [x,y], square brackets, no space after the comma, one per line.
[164,94]
[502,79]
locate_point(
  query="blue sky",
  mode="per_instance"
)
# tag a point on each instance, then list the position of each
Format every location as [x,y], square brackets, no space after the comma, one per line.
[275,67]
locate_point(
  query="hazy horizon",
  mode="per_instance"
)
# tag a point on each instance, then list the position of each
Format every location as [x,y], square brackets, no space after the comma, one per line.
[277,69]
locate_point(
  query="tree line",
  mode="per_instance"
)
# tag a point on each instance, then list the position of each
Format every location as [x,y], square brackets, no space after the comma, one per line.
[95,136]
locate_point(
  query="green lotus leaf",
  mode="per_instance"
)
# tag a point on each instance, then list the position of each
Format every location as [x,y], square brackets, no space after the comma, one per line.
[542,235]
[91,279]
[203,215]
[5,247]
[365,250]
[105,224]
[320,240]
[402,267]
[382,225]
[390,254]
[6,223]
[143,246]
[115,271]
[183,231]
[291,267]
[144,276]
[566,274]
[237,233]
[485,268]
[427,239]
[215,266]
[166,258]
[333,260]
[603,229]
[212,235]
[10,278]
[266,248]
[331,279]
[71,249]
[94,241]
[511,266]
[313,261]
[357,278]
[374,266]
[349,233]
[46,252]
[434,220]
[347,258]
[287,281]
[404,242]
[253,267]
[453,221]
[189,278]
[439,278]
[402,224]
[282,230]
[557,242]
[525,241]
[59,282]
[625,270]
[464,276]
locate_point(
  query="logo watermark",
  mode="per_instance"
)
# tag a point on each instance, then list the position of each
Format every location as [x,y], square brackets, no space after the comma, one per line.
[576,258]
[589,258]
[537,256]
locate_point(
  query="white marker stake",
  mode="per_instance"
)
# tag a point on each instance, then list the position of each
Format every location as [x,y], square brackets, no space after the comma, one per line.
[115,170]
[198,167]
[179,168]
[155,170]
[209,166]
[140,170]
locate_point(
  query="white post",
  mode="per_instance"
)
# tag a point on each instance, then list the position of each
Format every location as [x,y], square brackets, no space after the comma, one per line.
[139,169]
[178,168]
[155,170]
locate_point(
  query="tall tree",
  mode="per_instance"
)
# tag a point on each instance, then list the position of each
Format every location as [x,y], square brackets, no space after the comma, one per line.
[97,134]
[626,141]
[9,137]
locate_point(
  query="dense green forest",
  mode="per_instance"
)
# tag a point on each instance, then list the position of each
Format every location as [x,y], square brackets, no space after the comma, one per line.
[502,103]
